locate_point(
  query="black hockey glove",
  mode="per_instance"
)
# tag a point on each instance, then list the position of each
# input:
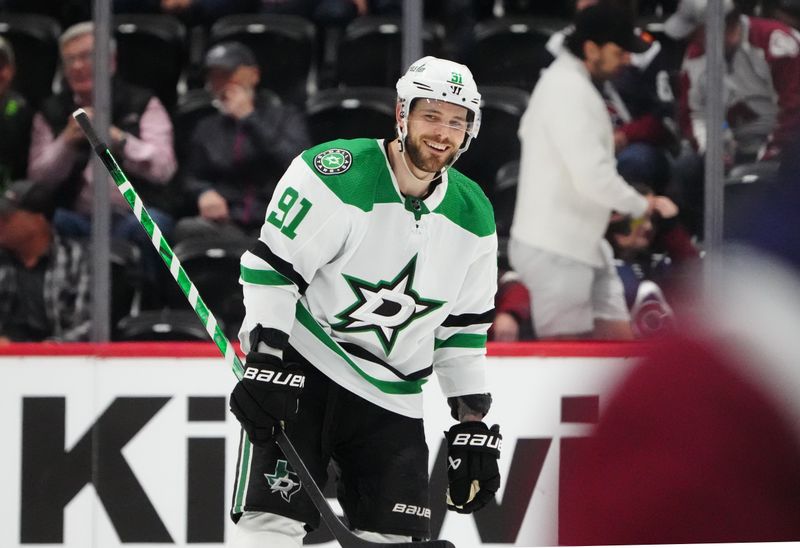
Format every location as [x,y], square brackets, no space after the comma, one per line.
[472,453]
[266,396]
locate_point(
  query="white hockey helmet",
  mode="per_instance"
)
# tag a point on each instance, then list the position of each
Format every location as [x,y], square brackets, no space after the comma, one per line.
[440,80]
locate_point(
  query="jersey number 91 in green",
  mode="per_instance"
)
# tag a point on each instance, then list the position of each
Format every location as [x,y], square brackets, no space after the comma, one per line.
[285,205]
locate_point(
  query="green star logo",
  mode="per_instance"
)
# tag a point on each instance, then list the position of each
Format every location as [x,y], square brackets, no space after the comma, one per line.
[283,481]
[333,161]
[386,307]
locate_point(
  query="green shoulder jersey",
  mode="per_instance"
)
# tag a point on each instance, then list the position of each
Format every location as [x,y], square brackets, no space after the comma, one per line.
[376,289]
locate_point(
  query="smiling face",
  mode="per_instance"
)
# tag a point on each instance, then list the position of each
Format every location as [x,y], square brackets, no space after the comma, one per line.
[436,130]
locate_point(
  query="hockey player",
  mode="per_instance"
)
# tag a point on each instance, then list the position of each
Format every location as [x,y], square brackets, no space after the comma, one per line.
[376,266]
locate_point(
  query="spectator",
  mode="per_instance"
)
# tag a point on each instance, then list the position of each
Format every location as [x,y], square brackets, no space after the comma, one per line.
[651,255]
[44,278]
[642,107]
[569,185]
[761,81]
[15,121]
[512,321]
[238,154]
[140,138]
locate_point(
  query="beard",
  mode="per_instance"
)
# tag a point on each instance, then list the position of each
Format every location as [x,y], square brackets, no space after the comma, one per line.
[424,160]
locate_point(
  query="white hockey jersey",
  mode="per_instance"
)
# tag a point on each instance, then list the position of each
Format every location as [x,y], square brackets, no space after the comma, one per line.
[377,290]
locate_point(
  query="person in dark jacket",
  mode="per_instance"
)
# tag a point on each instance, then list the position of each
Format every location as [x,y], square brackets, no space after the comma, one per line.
[238,153]
[44,278]
[15,121]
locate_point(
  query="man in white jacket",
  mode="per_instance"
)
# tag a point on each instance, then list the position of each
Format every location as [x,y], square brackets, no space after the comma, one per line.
[569,186]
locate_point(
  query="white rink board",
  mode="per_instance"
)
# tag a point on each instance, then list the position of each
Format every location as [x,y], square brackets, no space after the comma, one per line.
[527,395]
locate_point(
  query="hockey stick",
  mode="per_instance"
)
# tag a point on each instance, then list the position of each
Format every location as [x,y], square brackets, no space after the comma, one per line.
[340,531]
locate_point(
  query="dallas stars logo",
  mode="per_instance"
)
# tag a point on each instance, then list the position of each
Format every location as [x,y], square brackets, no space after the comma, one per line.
[283,481]
[385,308]
[333,161]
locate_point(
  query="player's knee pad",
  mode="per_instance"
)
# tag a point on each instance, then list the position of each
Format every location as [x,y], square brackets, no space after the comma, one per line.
[372,536]
[260,529]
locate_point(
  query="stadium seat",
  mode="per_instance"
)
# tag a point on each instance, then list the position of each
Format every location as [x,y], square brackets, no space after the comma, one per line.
[35,42]
[350,113]
[213,266]
[193,106]
[283,45]
[745,185]
[127,280]
[497,142]
[162,325]
[511,51]
[505,196]
[151,52]
[537,8]
[370,50]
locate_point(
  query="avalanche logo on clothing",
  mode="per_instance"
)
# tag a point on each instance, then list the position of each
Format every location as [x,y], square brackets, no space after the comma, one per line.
[386,308]
[283,481]
[333,161]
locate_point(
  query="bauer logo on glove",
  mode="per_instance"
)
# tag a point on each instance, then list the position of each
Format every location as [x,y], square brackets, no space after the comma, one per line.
[472,472]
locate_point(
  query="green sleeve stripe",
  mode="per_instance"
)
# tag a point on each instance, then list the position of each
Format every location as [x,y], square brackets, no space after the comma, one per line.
[388,387]
[461,340]
[264,277]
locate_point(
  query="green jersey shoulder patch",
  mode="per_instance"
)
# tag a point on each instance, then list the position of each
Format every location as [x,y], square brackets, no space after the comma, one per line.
[355,170]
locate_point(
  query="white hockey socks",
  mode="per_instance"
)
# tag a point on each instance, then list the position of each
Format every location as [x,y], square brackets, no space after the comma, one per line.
[260,530]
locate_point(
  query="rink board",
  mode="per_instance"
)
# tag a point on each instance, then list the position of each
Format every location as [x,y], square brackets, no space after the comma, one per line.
[129,445]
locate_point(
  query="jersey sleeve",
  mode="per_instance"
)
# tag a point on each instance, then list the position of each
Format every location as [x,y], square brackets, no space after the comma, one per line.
[305,227]
[459,357]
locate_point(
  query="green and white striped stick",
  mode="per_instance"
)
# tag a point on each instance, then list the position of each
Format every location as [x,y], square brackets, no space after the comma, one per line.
[342,533]
[160,243]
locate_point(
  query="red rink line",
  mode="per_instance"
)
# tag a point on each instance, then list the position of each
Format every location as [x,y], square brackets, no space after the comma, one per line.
[208,350]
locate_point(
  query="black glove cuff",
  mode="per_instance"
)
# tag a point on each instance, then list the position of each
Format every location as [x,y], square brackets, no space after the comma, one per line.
[274,338]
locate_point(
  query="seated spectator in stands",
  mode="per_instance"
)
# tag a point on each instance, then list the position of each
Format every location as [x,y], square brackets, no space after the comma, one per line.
[651,255]
[44,278]
[15,121]
[642,108]
[191,12]
[512,321]
[761,81]
[140,139]
[238,153]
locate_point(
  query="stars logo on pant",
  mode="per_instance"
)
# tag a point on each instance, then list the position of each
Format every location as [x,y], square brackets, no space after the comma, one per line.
[385,308]
[283,481]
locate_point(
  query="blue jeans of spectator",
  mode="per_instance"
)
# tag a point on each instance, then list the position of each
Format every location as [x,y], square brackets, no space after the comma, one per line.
[644,163]
[124,226]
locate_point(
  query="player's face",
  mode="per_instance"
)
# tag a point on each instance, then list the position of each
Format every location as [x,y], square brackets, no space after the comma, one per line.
[435,132]
[76,56]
